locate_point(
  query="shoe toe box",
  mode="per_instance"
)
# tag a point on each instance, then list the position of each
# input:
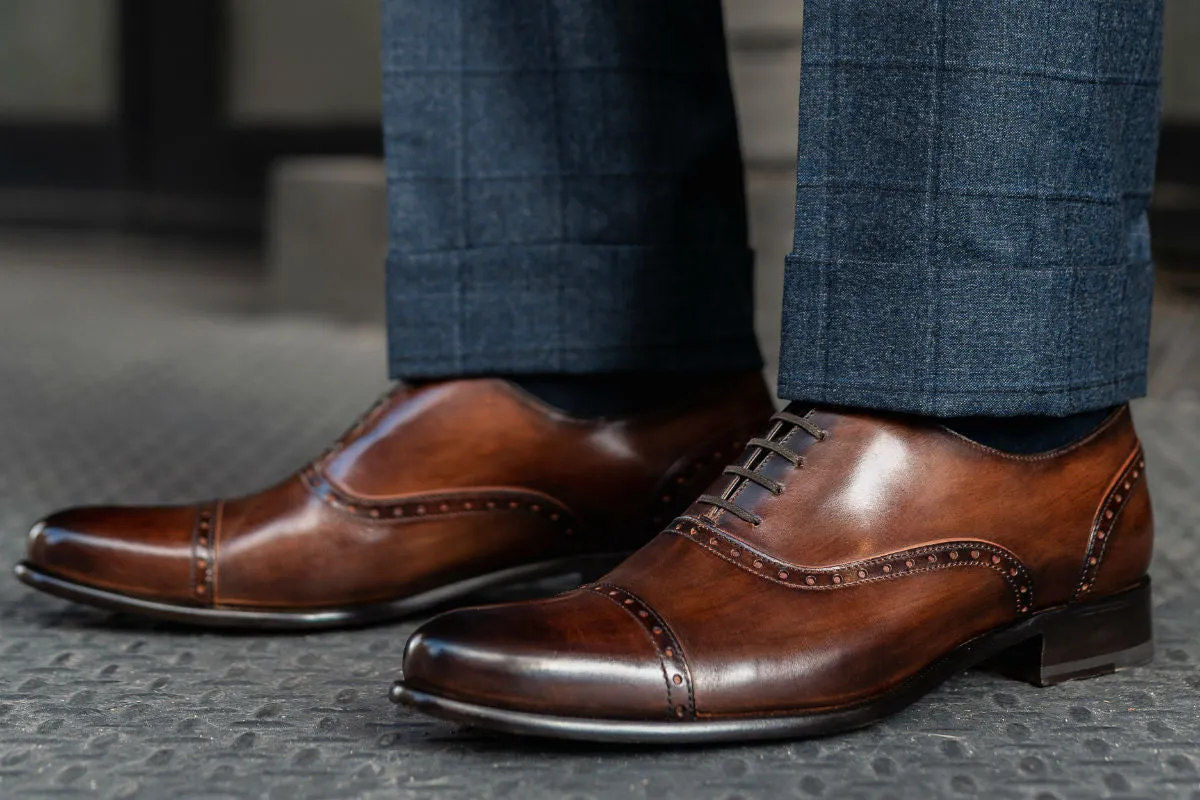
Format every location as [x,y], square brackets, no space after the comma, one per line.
[142,552]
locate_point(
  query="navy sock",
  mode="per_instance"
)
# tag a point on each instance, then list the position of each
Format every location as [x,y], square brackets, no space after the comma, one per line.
[608,394]
[1031,434]
[611,394]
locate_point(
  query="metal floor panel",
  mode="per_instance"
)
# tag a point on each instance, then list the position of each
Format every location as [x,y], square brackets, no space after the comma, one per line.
[123,385]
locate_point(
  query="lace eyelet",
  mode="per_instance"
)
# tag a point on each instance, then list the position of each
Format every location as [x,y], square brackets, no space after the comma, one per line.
[768,447]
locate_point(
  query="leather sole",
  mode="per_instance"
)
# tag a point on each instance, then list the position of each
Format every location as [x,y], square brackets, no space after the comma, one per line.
[313,619]
[1049,647]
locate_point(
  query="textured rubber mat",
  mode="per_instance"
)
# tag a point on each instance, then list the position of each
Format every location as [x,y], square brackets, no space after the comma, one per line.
[159,387]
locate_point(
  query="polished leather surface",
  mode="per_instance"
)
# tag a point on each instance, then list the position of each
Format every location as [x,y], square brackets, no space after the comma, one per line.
[891,544]
[433,486]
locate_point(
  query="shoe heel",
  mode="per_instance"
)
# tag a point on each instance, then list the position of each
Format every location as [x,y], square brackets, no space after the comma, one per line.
[1097,638]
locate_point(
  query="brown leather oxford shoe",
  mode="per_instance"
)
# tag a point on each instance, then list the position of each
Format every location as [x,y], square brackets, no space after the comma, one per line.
[843,567]
[434,494]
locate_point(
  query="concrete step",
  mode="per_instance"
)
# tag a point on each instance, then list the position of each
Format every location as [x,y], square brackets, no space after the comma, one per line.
[759,17]
[764,60]
[327,226]
[766,86]
[327,237]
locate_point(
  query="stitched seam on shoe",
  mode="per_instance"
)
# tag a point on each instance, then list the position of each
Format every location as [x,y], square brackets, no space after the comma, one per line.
[456,503]
[203,566]
[662,663]
[194,553]
[795,575]
[1098,545]
[218,526]
[957,544]
[685,671]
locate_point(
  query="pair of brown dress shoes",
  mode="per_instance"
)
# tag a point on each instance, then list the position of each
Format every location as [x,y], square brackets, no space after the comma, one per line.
[790,575]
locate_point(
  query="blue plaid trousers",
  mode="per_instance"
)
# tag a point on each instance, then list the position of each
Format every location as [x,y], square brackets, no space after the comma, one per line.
[565,190]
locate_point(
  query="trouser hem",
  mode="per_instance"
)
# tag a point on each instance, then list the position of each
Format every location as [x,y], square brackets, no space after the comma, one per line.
[965,340]
[569,308]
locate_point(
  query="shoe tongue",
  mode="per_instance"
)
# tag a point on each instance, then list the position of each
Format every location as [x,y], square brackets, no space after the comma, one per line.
[802,408]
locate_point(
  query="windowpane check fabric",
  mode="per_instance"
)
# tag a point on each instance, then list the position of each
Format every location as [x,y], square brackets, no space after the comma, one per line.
[564,180]
[973,179]
[565,188]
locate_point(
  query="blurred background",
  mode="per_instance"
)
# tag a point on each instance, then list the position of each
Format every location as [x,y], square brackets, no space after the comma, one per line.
[253,127]
[192,236]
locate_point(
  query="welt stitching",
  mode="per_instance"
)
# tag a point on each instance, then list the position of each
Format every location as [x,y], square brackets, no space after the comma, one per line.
[685,671]
[662,662]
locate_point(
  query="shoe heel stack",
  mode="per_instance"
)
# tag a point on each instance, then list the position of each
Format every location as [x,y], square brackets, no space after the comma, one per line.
[1084,641]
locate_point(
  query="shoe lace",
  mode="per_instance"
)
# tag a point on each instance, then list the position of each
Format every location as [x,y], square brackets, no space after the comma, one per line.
[763,448]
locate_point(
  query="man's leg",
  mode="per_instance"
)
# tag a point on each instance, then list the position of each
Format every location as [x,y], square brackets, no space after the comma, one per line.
[566,206]
[971,241]
[971,234]
[566,190]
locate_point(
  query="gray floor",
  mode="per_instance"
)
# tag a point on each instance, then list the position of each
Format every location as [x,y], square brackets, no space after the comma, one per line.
[131,375]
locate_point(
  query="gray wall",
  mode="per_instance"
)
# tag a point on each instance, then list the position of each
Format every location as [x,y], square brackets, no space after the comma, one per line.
[299,59]
[296,61]
[57,60]
[1181,62]
[764,44]
[306,60]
